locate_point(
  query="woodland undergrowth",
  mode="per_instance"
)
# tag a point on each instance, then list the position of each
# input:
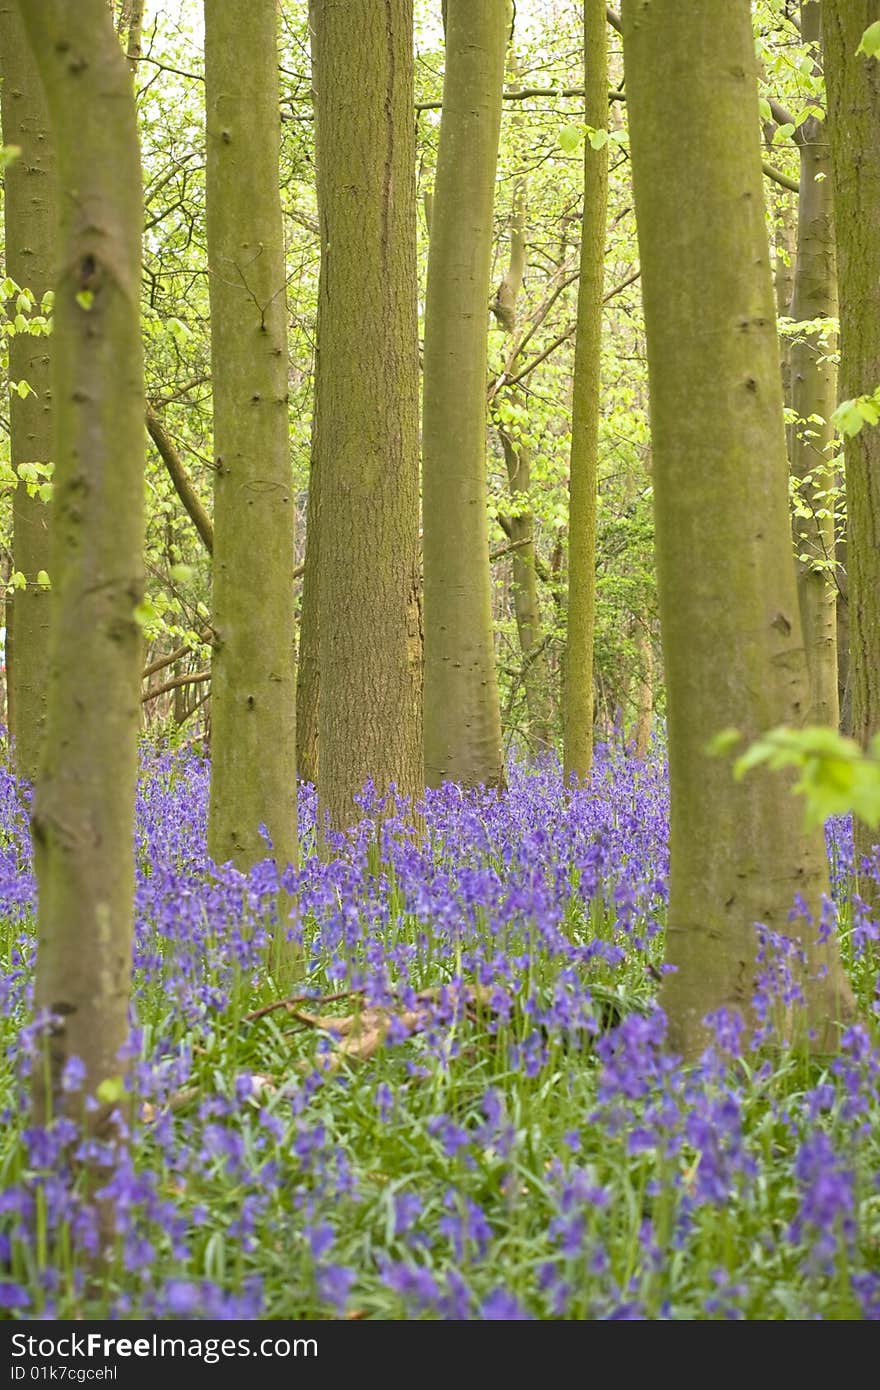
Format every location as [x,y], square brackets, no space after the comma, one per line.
[461,1106]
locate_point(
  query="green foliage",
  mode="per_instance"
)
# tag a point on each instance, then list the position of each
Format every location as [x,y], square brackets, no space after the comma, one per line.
[851,416]
[869,43]
[259,1150]
[835,776]
[111,1090]
[570,137]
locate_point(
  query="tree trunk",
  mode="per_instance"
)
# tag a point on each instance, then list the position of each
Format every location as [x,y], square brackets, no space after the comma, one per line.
[307,670]
[853,84]
[307,667]
[83,816]
[367,395]
[813,398]
[526,606]
[130,25]
[517,457]
[462,716]
[644,687]
[732,646]
[253,771]
[578,689]
[785,249]
[30,215]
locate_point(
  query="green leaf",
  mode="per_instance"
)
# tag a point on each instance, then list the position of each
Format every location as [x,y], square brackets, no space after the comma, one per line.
[782,133]
[43,580]
[764,108]
[865,794]
[85,299]
[723,742]
[848,418]
[145,613]
[570,137]
[760,752]
[835,775]
[598,139]
[870,40]
[111,1090]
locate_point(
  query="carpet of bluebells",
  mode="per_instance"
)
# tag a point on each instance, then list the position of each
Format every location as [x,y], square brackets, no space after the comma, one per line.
[520,1146]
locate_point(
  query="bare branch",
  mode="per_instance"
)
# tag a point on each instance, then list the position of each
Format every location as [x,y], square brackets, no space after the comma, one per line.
[780,178]
[173,684]
[179,477]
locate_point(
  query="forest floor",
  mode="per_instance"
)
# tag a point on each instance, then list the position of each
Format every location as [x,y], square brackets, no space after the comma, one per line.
[460,1106]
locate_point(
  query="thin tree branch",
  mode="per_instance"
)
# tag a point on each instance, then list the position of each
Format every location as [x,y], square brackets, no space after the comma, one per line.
[780,178]
[781,114]
[542,314]
[178,475]
[536,361]
[173,684]
[168,660]
[541,569]
[499,554]
[528,660]
[182,390]
[629,280]
[304,220]
[505,380]
[525,94]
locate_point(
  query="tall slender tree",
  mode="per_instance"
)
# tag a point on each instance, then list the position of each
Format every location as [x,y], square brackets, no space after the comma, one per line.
[307,667]
[130,26]
[462,717]
[853,84]
[518,460]
[30,216]
[253,770]
[366,412]
[308,673]
[784,255]
[83,814]
[577,715]
[813,398]
[732,645]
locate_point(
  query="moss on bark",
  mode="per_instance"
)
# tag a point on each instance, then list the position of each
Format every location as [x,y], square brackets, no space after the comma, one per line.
[462,716]
[83,813]
[30,215]
[253,741]
[578,688]
[732,644]
[367,393]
